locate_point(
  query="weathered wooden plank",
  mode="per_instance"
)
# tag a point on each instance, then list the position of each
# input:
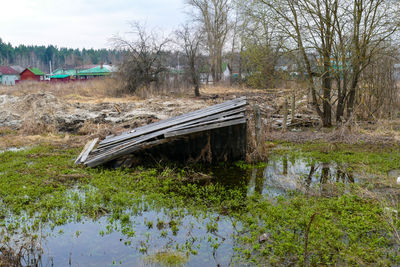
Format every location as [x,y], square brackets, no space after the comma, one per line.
[110,150]
[226,114]
[85,152]
[238,116]
[121,150]
[126,151]
[205,128]
[209,118]
[159,123]
[177,120]
[189,114]
[78,160]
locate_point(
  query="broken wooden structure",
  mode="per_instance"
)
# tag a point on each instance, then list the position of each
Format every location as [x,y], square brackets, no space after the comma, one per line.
[213,134]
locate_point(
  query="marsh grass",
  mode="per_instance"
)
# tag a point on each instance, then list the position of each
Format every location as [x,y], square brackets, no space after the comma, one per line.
[42,186]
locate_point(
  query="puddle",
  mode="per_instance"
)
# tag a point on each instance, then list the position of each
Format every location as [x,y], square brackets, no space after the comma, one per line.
[207,238]
[13,149]
[101,243]
[283,175]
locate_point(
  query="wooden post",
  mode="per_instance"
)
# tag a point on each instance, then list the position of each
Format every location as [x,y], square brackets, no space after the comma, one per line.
[285,115]
[257,122]
[293,109]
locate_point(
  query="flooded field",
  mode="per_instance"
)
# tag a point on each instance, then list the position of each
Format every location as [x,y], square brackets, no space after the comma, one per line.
[56,214]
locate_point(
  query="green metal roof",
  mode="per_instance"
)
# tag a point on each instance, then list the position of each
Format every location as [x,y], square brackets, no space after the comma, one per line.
[59,76]
[96,71]
[36,71]
[58,71]
[65,72]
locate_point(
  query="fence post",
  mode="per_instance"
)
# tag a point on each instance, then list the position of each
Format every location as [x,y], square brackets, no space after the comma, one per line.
[285,115]
[257,124]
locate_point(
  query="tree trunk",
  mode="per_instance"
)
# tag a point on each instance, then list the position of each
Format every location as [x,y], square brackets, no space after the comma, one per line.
[326,87]
[196,90]
[352,96]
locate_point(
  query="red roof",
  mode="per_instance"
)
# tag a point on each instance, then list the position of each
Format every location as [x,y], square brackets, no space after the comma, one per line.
[5,70]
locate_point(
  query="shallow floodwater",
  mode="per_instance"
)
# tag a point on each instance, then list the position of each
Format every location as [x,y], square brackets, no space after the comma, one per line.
[84,244]
[283,175]
[210,237]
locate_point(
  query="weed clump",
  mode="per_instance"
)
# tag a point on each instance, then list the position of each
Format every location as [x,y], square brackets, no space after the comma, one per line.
[167,258]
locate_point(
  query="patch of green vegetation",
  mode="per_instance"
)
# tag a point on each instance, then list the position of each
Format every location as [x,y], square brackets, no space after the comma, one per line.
[167,258]
[43,186]
[369,158]
[346,229]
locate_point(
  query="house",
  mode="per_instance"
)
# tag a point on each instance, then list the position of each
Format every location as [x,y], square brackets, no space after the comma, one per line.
[206,77]
[86,72]
[32,74]
[226,72]
[18,69]
[8,76]
[61,78]
[64,72]
[95,72]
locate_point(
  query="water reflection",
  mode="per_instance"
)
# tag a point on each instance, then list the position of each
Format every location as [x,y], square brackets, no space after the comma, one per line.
[284,174]
[207,239]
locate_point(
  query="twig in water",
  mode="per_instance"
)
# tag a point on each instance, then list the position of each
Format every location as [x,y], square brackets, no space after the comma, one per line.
[306,238]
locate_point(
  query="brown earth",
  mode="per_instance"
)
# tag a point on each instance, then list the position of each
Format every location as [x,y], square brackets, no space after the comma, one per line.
[72,114]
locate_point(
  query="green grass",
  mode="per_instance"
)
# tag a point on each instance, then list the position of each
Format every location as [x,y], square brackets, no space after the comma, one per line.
[167,258]
[372,159]
[42,186]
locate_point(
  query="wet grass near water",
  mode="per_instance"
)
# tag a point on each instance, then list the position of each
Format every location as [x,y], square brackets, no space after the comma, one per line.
[307,205]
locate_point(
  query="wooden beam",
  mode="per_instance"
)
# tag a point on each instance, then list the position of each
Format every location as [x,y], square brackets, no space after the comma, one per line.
[205,128]
[85,152]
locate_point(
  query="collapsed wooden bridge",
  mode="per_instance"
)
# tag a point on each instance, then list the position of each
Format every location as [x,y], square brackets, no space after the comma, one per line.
[216,133]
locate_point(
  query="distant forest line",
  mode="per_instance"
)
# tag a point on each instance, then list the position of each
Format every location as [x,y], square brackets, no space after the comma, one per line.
[40,56]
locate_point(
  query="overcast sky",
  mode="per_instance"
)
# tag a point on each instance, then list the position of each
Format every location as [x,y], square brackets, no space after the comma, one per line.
[82,23]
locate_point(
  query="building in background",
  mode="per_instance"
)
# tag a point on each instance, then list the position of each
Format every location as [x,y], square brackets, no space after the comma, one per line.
[92,73]
[32,74]
[18,68]
[61,78]
[8,76]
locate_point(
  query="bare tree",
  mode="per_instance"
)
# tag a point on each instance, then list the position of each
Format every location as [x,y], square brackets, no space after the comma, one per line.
[214,17]
[364,29]
[260,43]
[144,62]
[343,35]
[378,95]
[310,24]
[190,40]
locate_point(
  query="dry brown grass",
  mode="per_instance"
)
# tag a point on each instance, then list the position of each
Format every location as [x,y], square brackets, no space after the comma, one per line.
[92,89]
[35,127]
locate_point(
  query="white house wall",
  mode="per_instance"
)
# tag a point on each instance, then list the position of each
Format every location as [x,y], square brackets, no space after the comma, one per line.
[9,79]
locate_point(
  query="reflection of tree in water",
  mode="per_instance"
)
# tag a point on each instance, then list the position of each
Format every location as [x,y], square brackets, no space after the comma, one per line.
[344,176]
[26,251]
[285,165]
[309,177]
[260,180]
[336,173]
